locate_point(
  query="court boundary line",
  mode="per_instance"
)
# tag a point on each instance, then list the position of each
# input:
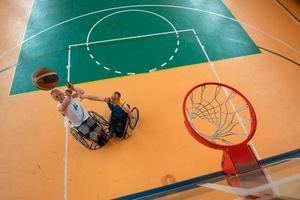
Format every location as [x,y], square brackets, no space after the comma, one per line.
[66,145]
[66,158]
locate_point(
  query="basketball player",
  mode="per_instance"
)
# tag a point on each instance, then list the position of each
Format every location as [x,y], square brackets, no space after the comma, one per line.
[77,116]
[119,112]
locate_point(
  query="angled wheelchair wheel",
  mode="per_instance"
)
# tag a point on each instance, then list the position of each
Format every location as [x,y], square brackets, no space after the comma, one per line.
[87,143]
[131,124]
[101,120]
[127,132]
[136,114]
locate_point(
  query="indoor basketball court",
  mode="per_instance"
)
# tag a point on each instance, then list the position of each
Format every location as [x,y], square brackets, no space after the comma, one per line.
[213,87]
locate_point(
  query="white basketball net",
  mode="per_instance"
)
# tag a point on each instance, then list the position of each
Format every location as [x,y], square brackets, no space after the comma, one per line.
[218,114]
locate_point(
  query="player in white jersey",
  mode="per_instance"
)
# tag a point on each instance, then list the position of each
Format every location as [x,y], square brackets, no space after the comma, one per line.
[77,116]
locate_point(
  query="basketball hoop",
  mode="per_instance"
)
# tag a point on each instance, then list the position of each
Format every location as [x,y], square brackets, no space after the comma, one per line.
[221,117]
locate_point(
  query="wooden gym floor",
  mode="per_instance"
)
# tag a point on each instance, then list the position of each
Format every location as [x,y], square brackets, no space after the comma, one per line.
[33,161]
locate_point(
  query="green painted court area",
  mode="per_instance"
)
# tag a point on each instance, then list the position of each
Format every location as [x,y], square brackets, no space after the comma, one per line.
[106,39]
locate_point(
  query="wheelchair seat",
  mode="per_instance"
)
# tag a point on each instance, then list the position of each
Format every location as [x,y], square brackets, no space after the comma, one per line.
[91,134]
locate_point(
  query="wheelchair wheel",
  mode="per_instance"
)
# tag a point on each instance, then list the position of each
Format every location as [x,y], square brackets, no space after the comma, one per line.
[89,144]
[127,132]
[131,124]
[101,120]
[136,114]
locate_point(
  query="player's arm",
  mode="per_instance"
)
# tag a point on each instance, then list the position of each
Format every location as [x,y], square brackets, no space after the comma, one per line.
[126,108]
[95,98]
[64,105]
[77,91]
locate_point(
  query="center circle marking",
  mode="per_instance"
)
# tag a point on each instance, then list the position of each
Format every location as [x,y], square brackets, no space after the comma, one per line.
[124,11]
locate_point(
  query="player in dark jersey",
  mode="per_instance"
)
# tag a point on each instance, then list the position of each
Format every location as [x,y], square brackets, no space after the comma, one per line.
[119,112]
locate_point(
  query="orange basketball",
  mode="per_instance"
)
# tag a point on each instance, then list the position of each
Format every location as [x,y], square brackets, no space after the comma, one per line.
[44,78]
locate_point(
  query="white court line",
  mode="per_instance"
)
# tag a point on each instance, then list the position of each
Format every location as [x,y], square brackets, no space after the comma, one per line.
[207,58]
[234,40]
[163,64]
[66,121]
[252,191]
[289,14]
[152,70]
[128,38]
[213,68]
[69,64]
[151,5]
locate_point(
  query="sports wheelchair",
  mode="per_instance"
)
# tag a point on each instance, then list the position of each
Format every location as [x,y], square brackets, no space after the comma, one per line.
[103,124]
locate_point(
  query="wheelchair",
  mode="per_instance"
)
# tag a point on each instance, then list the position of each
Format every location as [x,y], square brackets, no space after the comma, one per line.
[130,124]
[86,141]
[104,125]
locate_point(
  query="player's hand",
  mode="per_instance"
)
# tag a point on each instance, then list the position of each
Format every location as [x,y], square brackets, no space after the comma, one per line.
[70,86]
[68,92]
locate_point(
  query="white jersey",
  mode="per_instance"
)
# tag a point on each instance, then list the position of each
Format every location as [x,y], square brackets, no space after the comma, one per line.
[75,113]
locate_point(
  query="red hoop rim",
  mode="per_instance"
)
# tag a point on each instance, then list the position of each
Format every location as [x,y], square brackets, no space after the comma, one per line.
[200,139]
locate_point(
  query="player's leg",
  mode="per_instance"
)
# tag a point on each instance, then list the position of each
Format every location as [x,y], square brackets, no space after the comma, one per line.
[112,128]
[120,125]
[99,136]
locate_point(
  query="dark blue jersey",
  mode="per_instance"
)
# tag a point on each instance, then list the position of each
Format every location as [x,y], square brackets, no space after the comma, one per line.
[116,110]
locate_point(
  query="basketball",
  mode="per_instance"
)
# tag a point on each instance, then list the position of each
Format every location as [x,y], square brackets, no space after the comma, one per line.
[44,78]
